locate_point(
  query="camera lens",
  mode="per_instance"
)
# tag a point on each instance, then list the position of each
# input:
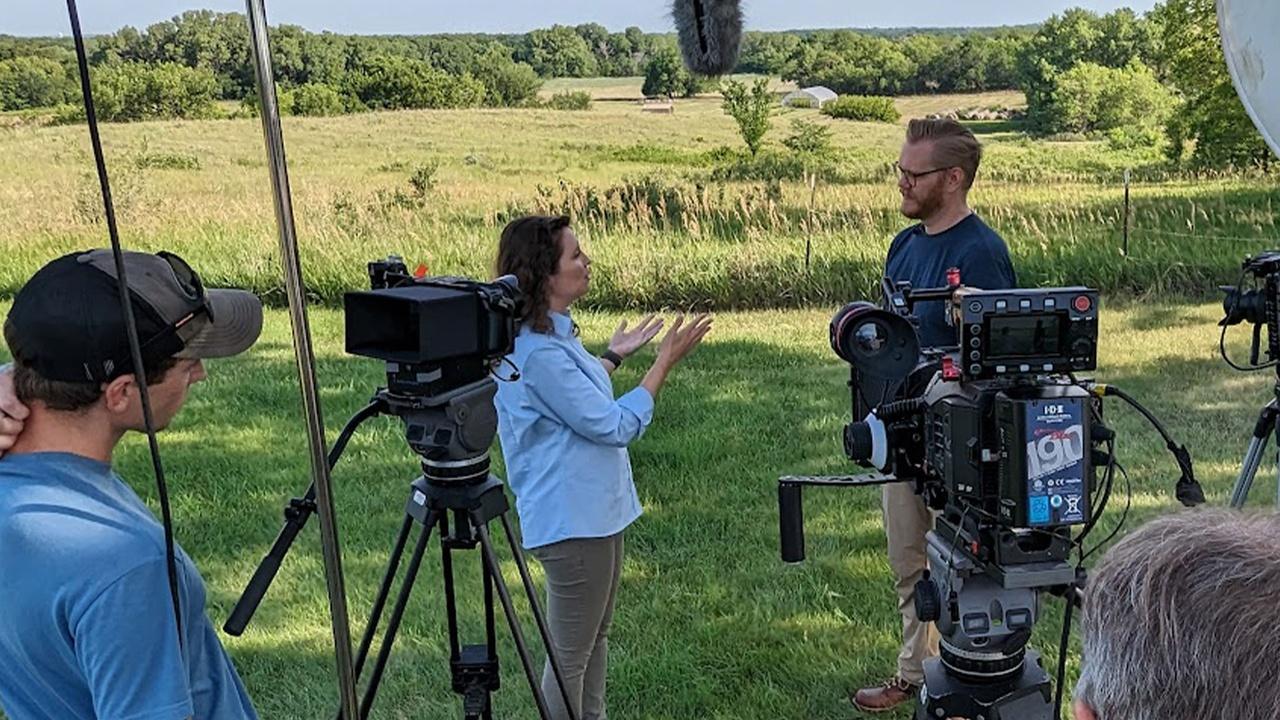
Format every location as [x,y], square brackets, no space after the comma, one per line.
[870,338]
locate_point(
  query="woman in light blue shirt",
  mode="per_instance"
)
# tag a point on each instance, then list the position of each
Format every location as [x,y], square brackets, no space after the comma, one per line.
[565,437]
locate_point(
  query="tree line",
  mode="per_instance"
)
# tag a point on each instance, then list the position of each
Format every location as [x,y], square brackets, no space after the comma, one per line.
[1157,78]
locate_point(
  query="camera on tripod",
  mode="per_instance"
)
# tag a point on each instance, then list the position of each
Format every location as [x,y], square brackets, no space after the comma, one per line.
[1003,442]
[441,338]
[1258,306]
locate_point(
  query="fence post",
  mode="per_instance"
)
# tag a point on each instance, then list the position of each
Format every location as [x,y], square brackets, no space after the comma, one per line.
[1125,249]
[808,237]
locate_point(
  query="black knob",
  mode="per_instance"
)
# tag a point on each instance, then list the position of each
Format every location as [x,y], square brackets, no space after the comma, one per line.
[928,604]
[858,444]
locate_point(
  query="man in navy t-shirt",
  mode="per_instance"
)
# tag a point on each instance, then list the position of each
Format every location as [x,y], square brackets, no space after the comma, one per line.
[87,624]
[936,168]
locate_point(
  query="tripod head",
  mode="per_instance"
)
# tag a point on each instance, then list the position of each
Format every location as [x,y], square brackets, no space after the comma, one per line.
[450,431]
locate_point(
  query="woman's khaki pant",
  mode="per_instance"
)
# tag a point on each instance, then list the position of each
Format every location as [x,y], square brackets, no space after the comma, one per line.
[582,584]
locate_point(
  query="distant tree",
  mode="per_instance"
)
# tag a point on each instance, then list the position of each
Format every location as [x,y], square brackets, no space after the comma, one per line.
[32,82]
[1210,114]
[1064,41]
[558,52]
[131,91]
[665,74]
[751,107]
[506,82]
[393,83]
[851,62]
[1091,98]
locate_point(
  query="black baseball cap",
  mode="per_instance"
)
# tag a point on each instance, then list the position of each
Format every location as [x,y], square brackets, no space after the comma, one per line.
[66,322]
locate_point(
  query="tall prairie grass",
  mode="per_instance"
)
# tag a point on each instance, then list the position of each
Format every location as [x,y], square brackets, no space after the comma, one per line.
[641,190]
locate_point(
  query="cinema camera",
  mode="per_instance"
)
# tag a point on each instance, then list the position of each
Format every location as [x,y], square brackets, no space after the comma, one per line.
[1002,440]
[442,340]
[1260,307]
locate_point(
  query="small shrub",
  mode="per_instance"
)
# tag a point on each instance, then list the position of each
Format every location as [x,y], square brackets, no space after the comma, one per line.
[863,108]
[803,103]
[751,107]
[808,137]
[570,100]
[423,178]
[166,161]
[315,100]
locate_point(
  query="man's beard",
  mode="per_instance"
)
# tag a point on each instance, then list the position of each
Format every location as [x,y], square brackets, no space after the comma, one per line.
[927,205]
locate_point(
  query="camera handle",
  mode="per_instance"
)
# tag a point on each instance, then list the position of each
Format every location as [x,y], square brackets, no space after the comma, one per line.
[791,505]
[296,514]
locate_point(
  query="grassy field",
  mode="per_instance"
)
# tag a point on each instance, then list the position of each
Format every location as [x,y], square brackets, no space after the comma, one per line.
[662,231]
[710,622]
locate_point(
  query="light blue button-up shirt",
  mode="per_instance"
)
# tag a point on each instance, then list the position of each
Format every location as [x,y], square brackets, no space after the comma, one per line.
[564,438]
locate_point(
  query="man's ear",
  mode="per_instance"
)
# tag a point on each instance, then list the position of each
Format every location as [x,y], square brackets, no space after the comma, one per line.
[1080,710]
[119,393]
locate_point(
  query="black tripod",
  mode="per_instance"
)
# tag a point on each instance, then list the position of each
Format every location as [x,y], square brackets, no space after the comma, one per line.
[474,667]
[458,498]
[1262,432]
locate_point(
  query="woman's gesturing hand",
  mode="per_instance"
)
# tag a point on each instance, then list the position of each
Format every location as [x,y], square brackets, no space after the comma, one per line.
[625,342]
[681,339]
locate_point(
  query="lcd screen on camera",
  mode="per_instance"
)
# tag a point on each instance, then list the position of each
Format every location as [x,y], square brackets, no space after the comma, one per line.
[1021,336]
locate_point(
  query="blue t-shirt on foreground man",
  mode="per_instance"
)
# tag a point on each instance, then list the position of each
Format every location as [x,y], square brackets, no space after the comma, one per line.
[87,619]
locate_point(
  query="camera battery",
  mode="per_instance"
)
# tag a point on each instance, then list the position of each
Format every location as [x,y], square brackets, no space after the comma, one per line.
[1045,470]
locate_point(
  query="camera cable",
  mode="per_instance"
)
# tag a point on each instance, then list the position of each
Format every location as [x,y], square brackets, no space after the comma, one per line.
[126,307]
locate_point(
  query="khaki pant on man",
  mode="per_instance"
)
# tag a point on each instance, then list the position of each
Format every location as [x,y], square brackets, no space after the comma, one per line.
[906,520]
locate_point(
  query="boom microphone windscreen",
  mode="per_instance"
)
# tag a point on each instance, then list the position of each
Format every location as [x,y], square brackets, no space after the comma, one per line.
[709,33]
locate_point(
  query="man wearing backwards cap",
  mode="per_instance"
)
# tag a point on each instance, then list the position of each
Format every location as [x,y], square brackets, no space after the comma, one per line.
[87,627]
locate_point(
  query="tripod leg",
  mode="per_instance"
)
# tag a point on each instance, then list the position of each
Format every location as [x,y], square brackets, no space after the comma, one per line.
[397,613]
[1277,427]
[538,616]
[491,562]
[384,591]
[1262,430]
[450,604]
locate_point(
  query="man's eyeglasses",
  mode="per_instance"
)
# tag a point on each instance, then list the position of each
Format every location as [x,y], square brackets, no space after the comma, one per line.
[914,177]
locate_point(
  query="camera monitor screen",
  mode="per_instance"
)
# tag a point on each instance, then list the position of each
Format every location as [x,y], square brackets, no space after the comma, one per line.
[1021,336]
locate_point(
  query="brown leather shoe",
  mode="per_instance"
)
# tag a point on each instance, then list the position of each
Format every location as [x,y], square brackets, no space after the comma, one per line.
[886,696]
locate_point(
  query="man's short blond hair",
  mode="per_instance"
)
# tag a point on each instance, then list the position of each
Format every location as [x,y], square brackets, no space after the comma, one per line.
[953,145]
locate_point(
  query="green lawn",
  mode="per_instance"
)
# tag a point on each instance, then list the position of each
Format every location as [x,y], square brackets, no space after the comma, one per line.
[710,622]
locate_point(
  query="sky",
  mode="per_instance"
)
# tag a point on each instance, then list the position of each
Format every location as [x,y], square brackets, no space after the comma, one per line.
[49,17]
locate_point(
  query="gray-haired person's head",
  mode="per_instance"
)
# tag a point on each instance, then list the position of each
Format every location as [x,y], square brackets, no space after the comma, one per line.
[1182,620]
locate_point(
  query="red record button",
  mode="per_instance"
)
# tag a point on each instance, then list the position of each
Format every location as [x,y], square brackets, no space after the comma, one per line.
[1082,303]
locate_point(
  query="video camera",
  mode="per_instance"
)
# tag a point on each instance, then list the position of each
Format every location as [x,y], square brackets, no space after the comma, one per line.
[440,338]
[1259,306]
[1004,443]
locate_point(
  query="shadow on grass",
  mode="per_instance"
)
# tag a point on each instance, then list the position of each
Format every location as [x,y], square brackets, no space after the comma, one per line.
[710,622]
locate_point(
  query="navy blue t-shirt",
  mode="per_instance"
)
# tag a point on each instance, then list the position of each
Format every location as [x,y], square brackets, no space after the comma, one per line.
[923,260]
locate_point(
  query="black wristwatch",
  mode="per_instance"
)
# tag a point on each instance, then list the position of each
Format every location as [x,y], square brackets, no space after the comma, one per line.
[612,357]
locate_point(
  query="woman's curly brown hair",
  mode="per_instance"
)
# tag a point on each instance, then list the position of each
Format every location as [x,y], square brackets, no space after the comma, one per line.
[530,249]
